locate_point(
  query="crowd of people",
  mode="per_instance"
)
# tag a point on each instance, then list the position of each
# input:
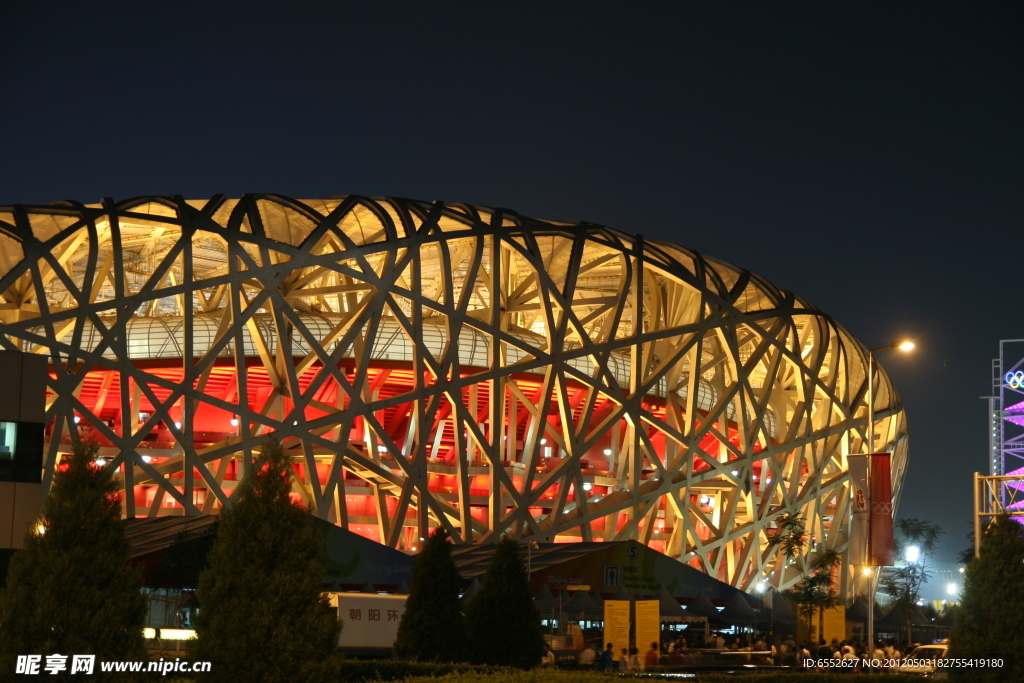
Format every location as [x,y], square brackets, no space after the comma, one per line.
[808,655]
[782,651]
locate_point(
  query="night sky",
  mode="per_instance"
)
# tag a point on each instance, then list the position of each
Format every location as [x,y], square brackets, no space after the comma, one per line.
[869,158]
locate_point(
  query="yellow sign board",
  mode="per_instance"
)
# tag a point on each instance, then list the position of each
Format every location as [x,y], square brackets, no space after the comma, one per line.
[616,624]
[835,624]
[648,623]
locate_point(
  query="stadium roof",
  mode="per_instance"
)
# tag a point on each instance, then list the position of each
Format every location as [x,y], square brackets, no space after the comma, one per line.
[553,564]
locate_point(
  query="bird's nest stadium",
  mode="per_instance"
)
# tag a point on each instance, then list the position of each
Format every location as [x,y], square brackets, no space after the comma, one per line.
[442,365]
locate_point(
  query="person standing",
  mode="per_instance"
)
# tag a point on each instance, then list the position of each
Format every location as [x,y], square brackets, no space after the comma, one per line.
[587,657]
[608,658]
[824,652]
[652,657]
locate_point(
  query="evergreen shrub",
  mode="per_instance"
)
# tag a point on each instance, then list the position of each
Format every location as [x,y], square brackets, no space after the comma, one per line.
[263,616]
[432,627]
[502,623]
[72,589]
[990,620]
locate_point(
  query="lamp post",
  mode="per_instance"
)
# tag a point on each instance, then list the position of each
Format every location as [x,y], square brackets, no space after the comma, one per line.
[873,578]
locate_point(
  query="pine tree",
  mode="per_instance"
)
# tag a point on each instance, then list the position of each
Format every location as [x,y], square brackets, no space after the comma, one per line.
[432,627]
[262,613]
[501,620]
[990,622]
[72,589]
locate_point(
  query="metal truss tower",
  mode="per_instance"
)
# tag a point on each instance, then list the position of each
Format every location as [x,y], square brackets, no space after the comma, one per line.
[1006,417]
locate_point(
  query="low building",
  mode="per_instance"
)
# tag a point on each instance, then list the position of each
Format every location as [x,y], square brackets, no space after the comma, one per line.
[22,408]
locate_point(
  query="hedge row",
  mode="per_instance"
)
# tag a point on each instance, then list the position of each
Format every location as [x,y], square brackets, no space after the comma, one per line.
[356,671]
[368,671]
[557,676]
[360,671]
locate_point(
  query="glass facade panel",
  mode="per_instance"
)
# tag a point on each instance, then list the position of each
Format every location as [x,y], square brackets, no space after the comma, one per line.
[8,439]
[21,452]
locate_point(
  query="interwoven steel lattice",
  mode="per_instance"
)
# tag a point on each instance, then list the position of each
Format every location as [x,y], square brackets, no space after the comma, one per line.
[442,365]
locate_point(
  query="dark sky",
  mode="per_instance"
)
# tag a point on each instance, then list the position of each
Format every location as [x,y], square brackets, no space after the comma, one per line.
[869,158]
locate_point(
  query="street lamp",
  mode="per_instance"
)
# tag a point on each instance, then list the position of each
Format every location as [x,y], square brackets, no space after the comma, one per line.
[904,345]
[913,554]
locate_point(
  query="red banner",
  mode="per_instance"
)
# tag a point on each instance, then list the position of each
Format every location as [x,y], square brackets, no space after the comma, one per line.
[882,548]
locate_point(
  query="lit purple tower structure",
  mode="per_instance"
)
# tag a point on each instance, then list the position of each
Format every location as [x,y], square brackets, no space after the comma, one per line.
[1006,428]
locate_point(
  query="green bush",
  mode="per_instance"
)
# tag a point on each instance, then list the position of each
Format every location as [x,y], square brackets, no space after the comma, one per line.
[263,617]
[502,625]
[559,676]
[432,628]
[358,671]
[989,622]
[73,589]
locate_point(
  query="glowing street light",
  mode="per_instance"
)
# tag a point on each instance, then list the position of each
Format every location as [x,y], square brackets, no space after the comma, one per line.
[913,554]
[952,589]
[905,345]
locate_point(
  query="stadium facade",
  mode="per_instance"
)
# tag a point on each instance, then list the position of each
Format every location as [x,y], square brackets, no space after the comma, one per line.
[452,365]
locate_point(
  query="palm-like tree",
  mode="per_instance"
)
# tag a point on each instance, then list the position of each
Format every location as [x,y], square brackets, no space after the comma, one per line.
[823,583]
[791,537]
[817,590]
[904,583]
[917,532]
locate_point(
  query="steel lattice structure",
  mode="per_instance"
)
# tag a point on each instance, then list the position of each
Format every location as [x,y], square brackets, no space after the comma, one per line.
[431,364]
